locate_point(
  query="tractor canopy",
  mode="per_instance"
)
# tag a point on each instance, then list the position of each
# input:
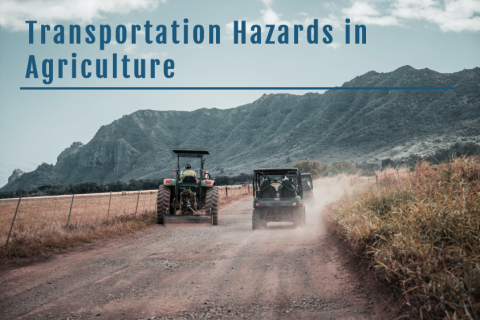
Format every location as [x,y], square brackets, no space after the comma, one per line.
[203,177]
[190,153]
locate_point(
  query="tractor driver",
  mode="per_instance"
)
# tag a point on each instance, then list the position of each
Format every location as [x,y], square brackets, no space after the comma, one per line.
[189,174]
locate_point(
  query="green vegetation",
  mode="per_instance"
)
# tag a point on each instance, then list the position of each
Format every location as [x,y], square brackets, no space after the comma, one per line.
[421,232]
[242,178]
[440,156]
[317,169]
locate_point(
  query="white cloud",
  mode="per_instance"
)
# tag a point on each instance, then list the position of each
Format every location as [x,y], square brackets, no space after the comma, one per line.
[140,32]
[334,45]
[452,15]
[270,16]
[449,15]
[363,12]
[152,55]
[129,47]
[14,13]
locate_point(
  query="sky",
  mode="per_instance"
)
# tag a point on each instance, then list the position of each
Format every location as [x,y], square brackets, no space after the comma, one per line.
[35,126]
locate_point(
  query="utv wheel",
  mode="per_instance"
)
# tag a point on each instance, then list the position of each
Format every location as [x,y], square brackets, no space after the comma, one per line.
[163,202]
[256,219]
[211,204]
[298,216]
[264,224]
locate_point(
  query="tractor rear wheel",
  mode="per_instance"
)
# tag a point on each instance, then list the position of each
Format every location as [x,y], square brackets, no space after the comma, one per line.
[163,202]
[256,219]
[211,204]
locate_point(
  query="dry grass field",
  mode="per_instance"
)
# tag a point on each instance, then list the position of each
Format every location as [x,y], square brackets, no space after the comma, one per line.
[421,232]
[45,224]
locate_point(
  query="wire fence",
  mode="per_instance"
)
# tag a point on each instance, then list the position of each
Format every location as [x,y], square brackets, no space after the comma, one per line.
[38,215]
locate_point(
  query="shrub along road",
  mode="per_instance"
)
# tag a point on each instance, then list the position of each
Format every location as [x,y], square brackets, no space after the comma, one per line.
[186,272]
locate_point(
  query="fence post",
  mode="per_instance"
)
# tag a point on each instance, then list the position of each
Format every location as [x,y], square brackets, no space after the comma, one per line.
[376,179]
[226,192]
[55,211]
[70,212]
[84,210]
[398,174]
[121,200]
[108,211]
[13,221]
[138,197]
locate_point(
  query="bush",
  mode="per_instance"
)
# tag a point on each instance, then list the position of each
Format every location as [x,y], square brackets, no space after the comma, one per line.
[242,178]
[341,167]
[316,168]
[422,233]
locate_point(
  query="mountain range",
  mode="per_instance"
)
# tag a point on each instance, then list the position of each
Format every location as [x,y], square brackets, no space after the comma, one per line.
[279,129]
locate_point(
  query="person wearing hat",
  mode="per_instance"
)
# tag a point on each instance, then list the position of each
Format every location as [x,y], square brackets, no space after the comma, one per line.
[189,173]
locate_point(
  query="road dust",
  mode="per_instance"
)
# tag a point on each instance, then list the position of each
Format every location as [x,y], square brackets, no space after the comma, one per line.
[224,272]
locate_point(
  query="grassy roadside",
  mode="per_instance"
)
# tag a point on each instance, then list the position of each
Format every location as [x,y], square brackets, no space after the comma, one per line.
[421,232]
[55,237]
[26,242]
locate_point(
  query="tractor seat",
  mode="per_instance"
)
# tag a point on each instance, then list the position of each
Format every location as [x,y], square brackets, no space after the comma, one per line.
[189,179]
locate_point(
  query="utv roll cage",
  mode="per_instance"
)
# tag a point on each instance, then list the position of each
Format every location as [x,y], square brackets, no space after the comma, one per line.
[308,177]
[275,176]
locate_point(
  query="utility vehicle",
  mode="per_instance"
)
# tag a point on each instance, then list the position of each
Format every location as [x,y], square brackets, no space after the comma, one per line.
[277,197]
[307,184]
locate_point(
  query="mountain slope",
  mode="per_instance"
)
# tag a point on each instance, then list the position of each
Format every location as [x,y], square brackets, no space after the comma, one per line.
[336,125]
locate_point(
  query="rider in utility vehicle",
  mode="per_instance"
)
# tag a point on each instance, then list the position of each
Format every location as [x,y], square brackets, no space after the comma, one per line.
[288,183]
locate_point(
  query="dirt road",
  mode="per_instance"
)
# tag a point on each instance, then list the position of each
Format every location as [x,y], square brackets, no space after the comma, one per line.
[198,272]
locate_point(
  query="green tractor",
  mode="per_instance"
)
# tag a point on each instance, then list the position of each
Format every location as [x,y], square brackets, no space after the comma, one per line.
[188,198]
[277,197]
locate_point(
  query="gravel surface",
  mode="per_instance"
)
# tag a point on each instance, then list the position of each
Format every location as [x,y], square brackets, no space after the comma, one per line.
[199,272]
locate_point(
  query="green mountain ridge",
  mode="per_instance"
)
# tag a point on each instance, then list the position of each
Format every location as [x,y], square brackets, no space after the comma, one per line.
[351,125]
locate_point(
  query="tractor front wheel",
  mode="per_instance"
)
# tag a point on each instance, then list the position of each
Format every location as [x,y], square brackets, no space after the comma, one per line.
[211,204]
[163,202]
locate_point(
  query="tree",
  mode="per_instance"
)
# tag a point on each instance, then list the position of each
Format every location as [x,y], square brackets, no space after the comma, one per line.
[341,167]
[316,168]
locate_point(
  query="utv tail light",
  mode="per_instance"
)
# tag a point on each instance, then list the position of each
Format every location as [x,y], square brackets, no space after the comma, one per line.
[168,180]
[310,194]
[208,181]
[257,204]
[174,170]
[294,203]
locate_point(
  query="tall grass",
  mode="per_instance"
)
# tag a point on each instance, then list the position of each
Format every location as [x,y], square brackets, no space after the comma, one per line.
[421,231]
